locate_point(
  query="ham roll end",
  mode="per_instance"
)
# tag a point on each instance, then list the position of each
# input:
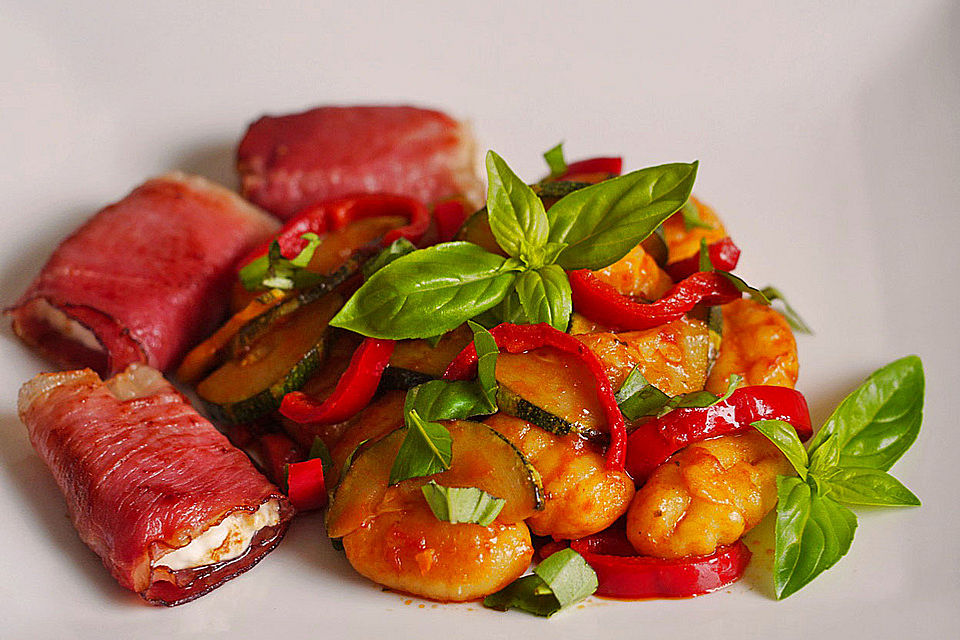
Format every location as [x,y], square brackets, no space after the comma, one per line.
[169,505]
[289,162]
[144,279]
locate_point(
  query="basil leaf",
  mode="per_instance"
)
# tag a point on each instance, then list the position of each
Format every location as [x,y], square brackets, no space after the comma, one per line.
[556,161]
[544,295]
[695,400]
[705,263]
[487,352]
[427,292]
[516,215]
[563,579]
[528,593]
[568,575]
[603,222]
[813,532]
[398,248]
[733,382]
[274,271]
[755,294]
[880,419]
[457,505]
[638,398]
[855,485]
[448,400]
[427,449]
[825,457]
[789,313]
[785,438]
[691,217]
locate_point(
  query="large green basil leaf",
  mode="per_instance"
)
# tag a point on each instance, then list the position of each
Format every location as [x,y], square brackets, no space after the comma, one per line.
[516,215]
[813,532]
[428,292]
[856,485]
[544,295]
[603,222]
[879,420]
[784,436]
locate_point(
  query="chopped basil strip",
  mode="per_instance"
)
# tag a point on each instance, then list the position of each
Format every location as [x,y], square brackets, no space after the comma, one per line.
[487,352]
[638,398]
[457,505]
[556,161]
[789,313]
[319,450]
[398,248]
[349,459]
[561,580]
[427,449]
[691,217]
[755,294]
[276,272]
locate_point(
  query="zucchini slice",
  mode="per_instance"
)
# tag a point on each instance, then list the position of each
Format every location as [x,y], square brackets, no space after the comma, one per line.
[482,458]
[551,390]
[417,361]
[277,362]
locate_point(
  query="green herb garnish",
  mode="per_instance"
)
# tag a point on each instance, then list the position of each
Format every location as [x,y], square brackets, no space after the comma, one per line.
[561,580]
[556,161]
[467,505]
[431,291]
[273,271]
[846,463]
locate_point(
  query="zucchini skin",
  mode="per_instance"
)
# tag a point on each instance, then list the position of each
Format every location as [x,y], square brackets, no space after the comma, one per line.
[400,379]
[511,403]
[269,399]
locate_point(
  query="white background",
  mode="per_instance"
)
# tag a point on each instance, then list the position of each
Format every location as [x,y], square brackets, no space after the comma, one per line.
[829,142]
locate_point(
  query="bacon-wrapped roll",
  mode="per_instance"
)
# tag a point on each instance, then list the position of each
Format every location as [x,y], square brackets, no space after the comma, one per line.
[170,506]
[144,279]
[288,162]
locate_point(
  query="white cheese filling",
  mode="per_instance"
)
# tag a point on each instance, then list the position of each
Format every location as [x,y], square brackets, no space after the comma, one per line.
[66,326]
[225,541]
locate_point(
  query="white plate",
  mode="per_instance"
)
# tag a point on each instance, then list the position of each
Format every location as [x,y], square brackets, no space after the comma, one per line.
[829,142]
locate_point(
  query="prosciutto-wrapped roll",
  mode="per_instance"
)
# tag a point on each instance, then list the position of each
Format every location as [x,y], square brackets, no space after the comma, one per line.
[288,162]
[169,505]
[144,279]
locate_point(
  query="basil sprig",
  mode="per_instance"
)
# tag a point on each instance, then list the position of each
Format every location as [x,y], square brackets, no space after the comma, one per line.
[845,464]
[431,291]
[466,505]
[274,271]
[561,580]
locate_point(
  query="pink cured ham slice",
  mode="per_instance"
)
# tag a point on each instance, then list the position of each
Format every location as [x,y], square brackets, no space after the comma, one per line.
[144,279]
[145,477]
[291,161]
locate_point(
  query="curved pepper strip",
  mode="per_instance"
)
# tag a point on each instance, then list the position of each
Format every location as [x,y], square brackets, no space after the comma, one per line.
[622,573]
[592,170]
[335,214]
[518,338]
[305,485]
[724,256]
[602,303]
[650,444]
[353,392]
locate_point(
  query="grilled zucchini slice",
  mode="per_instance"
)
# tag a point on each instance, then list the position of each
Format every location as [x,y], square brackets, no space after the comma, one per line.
[276,362]
[482,458]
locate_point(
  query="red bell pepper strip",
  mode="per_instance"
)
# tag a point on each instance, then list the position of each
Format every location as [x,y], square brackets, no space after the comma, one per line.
[518,338]
[724,255]
[591,169]
[650,444]
[602,303]
[353,392]
[335,214]
[305,485]
[449,217]
[622,573]
[275,451]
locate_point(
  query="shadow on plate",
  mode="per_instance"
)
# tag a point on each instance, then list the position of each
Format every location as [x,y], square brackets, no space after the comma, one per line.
[43,500]
[213,159]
